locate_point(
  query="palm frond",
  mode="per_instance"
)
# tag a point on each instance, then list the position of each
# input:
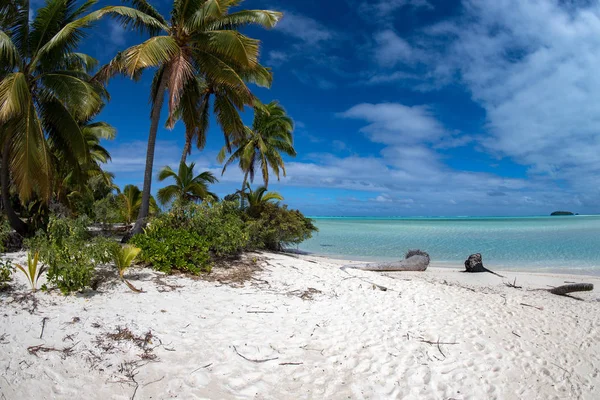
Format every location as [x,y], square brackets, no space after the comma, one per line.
[81,97]
[148,9]
[155,51]
[15,97]
[265,18]
[30,159]
[166,173]
[9,53]
[168,193]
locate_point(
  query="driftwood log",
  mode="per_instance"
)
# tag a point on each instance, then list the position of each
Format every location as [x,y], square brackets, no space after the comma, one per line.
[413,263]
[566,289]
[475,264]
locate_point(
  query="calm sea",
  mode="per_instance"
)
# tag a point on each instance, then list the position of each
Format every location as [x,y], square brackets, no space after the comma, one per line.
[557,244]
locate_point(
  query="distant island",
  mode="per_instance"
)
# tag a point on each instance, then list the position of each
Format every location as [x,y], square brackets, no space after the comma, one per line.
[562,213]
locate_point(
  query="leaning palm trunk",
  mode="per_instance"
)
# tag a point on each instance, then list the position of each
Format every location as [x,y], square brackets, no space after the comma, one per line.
[243,190]
[187,148]
[155,119]
[13,219]
[414,263]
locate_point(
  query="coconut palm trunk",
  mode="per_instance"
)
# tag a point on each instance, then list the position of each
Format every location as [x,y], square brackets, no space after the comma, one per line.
[155,119]
[187,147]
[13,219]
[244,189]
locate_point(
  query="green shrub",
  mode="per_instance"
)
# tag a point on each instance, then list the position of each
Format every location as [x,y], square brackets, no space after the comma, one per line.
[70,253]
[107,211]
[6,270]
[33,272]
[5,231]
[219,223]
[277,227]
[166,248]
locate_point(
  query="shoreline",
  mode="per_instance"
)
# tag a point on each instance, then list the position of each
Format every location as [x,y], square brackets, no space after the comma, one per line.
[275,325]
[455,265]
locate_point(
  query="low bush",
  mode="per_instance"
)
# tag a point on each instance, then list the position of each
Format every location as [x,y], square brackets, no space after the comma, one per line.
[165,248]
[70,253]
[106,210]
[221,225]
[277,227]
[6,270]
[5,231]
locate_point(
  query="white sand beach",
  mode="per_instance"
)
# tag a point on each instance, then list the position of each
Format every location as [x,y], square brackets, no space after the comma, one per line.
[301,328]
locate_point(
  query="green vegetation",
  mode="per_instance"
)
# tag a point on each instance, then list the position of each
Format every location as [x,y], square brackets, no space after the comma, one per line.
[33,272]
[557,213]
[270,135]
[6,270]
[70,253]
[166,248]
[187,187]
[277,227]
[123,257]
[197,52]
[52,181]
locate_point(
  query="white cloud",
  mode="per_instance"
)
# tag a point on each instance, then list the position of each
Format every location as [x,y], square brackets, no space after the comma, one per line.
[396,76]
[533,66]
[387,8]
[277,58]
[304,28]
[116,33]
[391,50]
[393,123]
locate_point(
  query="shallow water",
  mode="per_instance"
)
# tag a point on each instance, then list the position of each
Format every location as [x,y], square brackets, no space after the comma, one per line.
[561,244]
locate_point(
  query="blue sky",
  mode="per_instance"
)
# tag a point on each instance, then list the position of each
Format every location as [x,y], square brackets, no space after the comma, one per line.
[409,107]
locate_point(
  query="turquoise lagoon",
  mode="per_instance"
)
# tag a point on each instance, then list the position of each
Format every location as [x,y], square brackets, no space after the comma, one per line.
[552,244]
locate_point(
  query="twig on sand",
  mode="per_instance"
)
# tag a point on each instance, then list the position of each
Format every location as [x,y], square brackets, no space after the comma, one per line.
[150,383]
[529,305]
[199,368]
[516,334]
[513,285]
[291,363]
[438,343]
[254,361]
[66,351]
[259,312]
[43,326]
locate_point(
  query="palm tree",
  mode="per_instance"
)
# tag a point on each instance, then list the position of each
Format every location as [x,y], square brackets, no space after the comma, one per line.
[270,135]
[46,92]
[131,201]
[187,187]
[199,47]
[258,198]
[78,184]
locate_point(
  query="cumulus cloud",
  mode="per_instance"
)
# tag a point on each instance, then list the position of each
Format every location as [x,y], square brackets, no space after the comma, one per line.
[387,8]
[394,123]
[533,66]
[277,58]
[391,49]
[304,28]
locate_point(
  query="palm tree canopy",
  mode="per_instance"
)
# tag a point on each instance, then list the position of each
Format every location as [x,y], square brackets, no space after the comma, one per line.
[257,198]
[46,92]
[131,200]
[200,52]
[262,145]
[187,187]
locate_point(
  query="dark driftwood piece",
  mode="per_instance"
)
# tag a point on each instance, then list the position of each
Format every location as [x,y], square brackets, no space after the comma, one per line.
[475,264]
[566,289]
[413,263]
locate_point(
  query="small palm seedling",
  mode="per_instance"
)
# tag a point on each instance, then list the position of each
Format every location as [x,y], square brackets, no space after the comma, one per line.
[32,272]
[123,257]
